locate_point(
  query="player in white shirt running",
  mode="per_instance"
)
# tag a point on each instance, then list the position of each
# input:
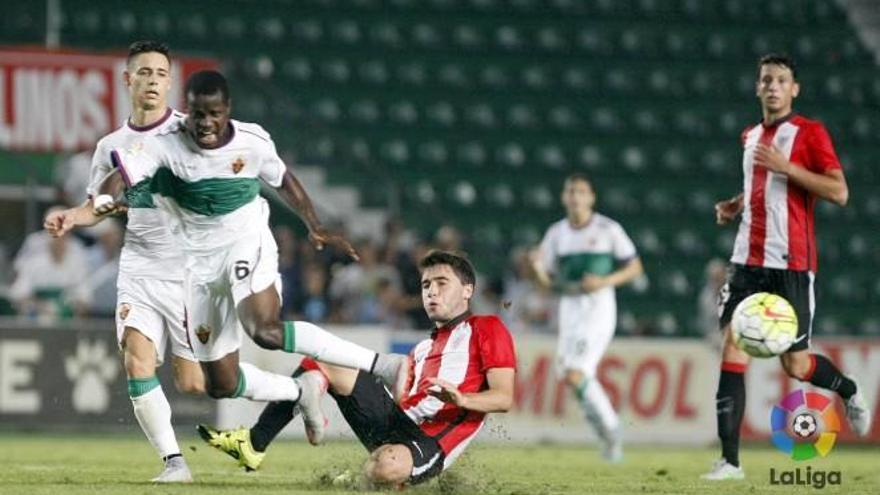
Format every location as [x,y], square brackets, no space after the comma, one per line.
[584,257]
[150,281]
[205,174]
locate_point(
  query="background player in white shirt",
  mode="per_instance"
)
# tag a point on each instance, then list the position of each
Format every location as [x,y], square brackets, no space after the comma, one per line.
[205,174]
[584,257]
[150,280]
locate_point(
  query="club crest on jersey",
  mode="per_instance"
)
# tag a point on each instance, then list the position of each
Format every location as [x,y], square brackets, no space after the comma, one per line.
[124,309]
[136,147]
[237,165]
[203,332]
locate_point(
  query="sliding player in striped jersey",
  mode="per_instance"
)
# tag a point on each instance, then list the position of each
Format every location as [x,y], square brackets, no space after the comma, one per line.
[465,370]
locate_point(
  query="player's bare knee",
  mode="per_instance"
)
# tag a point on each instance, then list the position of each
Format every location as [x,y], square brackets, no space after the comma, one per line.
[795,366]
[138,364]
[389,465]
[220,391]
[189,385]
[269,336]
[222,387]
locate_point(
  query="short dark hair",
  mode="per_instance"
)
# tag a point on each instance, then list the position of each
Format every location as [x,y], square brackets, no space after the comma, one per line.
[207,82]
[147,46]
[782,59]
[457,261]
[578,176]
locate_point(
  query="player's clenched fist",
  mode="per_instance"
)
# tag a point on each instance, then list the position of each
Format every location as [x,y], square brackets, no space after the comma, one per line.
[727,210]
[58,222]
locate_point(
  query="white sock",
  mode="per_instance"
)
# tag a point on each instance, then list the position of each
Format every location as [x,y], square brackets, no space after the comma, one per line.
[257,384]
[313,341]
[153,413]
[597,408]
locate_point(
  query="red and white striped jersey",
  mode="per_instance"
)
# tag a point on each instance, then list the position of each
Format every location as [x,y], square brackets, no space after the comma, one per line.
[777,228]
[461,353]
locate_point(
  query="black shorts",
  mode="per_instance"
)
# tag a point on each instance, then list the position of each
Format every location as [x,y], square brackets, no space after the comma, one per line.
[796,287]
[377,420]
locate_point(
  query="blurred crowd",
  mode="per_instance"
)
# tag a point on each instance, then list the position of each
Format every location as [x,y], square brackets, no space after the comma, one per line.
[75,276]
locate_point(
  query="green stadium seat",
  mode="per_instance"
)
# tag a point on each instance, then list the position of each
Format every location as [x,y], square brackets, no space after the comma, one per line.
[433,153]
[414,73]
[580,80]
[494,77]
[563,118]
[403,113]
[550,39]
[509,38]
[335,70]
[442,113]
[511,155]
[522,116]
[297,69]
[366,111]
[472,154]
[387,35]
[485,105]
[591,41]
[591,157]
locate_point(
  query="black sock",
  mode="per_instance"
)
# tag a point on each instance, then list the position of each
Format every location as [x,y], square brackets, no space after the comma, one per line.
[826,375]
[730,403]
[273,419]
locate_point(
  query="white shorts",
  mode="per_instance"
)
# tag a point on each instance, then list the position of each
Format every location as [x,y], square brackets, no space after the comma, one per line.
[586,326]
[155,309]
[217,284]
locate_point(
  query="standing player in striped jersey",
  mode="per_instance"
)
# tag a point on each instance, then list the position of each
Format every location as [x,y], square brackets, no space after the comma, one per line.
[465,370]
[588,255]
[150,312]
[788,163]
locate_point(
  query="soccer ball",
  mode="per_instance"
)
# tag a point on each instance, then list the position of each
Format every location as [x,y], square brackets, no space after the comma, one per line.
[804,425]
[764,325]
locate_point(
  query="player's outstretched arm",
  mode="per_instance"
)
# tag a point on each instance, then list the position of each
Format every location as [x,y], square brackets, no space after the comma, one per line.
[497,398]
[295,195]
[59,222]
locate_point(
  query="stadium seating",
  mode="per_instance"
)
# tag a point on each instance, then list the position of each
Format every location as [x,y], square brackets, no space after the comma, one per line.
[472,111]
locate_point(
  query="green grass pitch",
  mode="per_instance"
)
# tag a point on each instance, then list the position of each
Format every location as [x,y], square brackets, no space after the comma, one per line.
[103,464]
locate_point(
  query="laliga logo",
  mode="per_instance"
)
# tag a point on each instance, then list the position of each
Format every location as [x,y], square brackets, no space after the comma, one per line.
[804,425]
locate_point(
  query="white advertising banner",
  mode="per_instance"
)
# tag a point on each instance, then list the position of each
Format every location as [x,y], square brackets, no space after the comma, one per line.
[664,389]
[66,100]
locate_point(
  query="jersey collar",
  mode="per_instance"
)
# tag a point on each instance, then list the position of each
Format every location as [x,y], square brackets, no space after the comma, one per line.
[145,128]
[779,121]
[452,323]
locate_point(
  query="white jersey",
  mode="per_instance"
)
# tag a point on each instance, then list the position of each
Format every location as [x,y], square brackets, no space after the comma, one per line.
[569,253]
[149,250]
[211,195]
